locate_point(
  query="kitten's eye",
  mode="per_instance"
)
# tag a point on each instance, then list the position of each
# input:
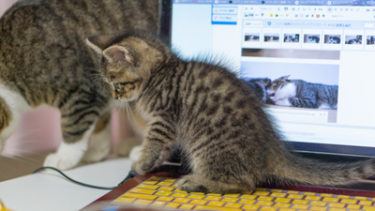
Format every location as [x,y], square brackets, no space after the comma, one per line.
[116,85]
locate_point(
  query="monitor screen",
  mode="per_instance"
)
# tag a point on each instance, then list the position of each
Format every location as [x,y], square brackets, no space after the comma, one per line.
[313,58]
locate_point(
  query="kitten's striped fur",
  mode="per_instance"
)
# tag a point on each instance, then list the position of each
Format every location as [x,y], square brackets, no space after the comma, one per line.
[44,60]
[215,118]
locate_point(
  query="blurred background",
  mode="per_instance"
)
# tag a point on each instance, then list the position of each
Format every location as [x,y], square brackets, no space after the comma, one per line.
[40,130]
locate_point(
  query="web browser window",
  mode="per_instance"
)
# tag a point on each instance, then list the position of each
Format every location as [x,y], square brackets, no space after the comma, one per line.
[328,46]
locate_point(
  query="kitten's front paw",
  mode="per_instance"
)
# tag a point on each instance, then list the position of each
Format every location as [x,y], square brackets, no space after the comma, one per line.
[141,167]
[191,183]
[61,162]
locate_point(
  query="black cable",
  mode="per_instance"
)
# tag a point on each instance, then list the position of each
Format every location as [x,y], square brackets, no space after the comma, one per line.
[130,175]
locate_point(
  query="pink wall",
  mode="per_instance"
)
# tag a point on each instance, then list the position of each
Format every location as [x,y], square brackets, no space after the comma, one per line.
[40,129]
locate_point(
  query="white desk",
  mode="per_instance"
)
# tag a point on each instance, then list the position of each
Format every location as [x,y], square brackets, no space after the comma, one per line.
[49,191]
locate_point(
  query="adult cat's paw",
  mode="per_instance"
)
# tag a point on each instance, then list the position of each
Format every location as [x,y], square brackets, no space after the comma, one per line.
[61,161]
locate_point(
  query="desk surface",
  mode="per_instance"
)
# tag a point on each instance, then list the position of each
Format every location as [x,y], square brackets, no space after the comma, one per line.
[49,191]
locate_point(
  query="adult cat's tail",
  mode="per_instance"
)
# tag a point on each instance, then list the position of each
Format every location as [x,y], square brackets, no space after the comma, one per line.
[323,173]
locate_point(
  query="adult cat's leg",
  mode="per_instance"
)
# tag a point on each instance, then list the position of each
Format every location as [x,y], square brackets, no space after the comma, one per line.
[79,114]
[12,106]
[100,143]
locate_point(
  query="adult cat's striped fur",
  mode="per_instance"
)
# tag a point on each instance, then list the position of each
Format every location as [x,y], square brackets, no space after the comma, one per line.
[215,118]
[44,60]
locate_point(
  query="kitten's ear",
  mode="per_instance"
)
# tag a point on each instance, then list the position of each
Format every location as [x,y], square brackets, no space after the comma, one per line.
[119,54]
[285,77]
[99,42]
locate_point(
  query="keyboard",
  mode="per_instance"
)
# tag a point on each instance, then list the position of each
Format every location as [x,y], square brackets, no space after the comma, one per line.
[162,193]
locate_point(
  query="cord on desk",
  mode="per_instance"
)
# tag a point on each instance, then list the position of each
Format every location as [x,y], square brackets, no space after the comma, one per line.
[130,175]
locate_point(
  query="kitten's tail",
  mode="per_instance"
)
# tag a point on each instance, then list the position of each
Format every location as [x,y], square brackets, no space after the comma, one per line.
[308,171]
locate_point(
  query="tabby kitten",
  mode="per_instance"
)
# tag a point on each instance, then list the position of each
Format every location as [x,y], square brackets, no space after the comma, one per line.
[299,93]
[44,61]
[215,118]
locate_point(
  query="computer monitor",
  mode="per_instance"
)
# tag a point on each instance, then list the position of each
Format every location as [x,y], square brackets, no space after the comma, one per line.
[324,43]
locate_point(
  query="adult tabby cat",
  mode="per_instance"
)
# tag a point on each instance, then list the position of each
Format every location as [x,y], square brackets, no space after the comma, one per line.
[44,61]
[299,93]
[215,118]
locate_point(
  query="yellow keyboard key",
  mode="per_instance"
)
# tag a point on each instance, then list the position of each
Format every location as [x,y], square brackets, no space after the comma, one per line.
[261,193]
[343,196]
[353,206]
[295,196]
[170,180]
[180,195]
[360,197]
[349,201]
[313,198]
[182,200]
[318,208]
[365,203]
[216,203]
[198,202]
[154,178]
[233,205]
[292,192]
[172,205]
[368,208]
[165,198]
[144,191]
[230,200]
[166,188]
[195,196]
[186,206]
[213,198]
[265,198]
[250,207]
[298,201]
[279,195]
[213,194]
[268,209]
[143,202]
[150,182]
[328,199]
[124,200]
[336,205]
[158,203]
[300,206]
[215,208]
[265,203]
[247,201]
[326,195]
[337,209]
[246,196]
[318,203]
[163,193]
[282,205]
[165,184]
[231,195]
[283,200]
[139,196]
[309,193]
[287,209]
[153,187]
[199,193]
[180,191]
